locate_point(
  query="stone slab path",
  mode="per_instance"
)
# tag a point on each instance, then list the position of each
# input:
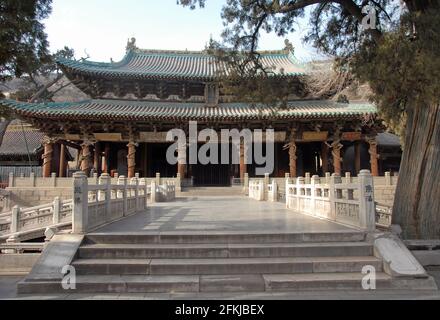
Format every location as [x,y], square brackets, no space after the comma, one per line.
[221,213]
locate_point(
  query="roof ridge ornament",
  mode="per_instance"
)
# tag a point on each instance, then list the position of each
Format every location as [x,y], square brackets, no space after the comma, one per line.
[131,44]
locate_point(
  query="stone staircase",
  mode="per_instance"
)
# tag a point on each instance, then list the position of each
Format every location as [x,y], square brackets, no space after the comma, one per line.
[221,262]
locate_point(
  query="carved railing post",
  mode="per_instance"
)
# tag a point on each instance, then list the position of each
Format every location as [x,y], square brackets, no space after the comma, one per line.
[261,191]
[266,184]
[143,186]
[388,181]
[367,211]
[15,218]
[80,203]
[56,210]
[122,181]
[327,177]
[135,182]
[54,179]
[315,180]
[334,179]
[347,177]
[158,178]
[246,181]
[106,194]
[32,179]
[153,191]
[11,182]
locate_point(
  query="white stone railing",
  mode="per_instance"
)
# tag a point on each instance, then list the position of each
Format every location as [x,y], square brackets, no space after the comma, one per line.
[4,200]
[272,192]
[162,193]
[257,190]
[384,214]
[93,205]
[335,200]
[97,205]
[55,182]
[23,220]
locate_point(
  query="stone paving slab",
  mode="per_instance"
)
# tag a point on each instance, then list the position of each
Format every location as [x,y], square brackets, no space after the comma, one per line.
[221,213]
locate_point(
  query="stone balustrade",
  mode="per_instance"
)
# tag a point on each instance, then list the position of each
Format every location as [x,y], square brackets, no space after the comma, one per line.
[95,202]
[347,202]
[26,220]
[97,205]
[33,191]
[335,200]
[257,190]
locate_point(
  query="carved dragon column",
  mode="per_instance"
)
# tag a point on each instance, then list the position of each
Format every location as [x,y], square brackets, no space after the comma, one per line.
[372,141]
[47,156]
[336,152]
[181,160]
[86,157]
[131,158]
[243,165]
[291,146]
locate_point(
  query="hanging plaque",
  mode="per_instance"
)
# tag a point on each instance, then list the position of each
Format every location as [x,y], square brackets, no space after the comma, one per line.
[351,136]
[315,135]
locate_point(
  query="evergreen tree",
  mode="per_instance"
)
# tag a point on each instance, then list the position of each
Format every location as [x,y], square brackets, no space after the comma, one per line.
[395,47]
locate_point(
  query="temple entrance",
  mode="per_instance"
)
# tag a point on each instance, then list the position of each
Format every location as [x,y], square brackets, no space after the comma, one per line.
[157,161]
[212,174]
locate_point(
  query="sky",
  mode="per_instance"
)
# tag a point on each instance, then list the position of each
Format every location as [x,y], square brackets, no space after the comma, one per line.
[101,28]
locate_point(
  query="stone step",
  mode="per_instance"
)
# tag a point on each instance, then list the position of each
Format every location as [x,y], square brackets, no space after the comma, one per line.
[194,237]
[143,251]
[115,284]
[223,266]
[343,281]
[222,283]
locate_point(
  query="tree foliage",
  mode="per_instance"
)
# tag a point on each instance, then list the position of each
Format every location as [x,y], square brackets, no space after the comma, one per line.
[24,45]
[399,62]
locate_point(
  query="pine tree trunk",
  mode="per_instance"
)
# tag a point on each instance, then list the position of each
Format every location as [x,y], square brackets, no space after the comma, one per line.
[417,199]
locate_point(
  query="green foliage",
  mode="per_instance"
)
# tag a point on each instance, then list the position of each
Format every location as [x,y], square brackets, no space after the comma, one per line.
[403,67]
[24,45]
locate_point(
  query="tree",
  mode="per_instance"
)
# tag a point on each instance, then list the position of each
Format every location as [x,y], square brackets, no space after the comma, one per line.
[24,51]
[394,46]
[24,42]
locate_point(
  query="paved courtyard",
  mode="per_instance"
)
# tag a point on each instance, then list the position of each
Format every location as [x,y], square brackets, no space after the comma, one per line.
[221,213]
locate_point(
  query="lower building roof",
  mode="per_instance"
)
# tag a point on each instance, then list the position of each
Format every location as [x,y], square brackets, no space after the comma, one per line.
[20,140]
[123,110]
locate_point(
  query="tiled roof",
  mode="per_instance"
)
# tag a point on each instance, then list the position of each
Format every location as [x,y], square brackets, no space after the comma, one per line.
[154,64]
[14,141]
[123,110]
[387,139]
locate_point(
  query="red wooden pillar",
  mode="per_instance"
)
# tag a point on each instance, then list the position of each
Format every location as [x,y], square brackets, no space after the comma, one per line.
[105,168]
[336,152]
[47,156]
[86,157]
[324,157]
[243,165]
[131,159]
[292,158]
[63,163]
[373,156]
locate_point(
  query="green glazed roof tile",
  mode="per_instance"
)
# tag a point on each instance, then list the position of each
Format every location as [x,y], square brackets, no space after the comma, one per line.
[149,110]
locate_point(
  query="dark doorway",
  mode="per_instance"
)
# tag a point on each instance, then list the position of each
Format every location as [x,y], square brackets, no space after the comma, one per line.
[157,161]
[213,174]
